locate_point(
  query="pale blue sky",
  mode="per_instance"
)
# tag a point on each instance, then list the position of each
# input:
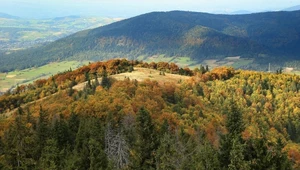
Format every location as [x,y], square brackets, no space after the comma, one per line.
[128,8]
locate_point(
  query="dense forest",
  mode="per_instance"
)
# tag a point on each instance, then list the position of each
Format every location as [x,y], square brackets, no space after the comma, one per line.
[217,119]
[264,37]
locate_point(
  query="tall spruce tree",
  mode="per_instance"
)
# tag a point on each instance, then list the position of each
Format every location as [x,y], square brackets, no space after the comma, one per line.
[73,125]
[146,143]
[61,133]
[50,156]
[42,132]
[18,144]
[205,157]
[105,80]
[89,146]
[266,155]
[237,160]
[166,154]
[235,126]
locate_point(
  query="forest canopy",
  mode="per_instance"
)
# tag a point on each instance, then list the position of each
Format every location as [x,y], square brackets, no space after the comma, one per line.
[216,119]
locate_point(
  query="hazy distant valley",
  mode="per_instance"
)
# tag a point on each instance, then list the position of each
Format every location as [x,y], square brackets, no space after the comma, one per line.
[18,33]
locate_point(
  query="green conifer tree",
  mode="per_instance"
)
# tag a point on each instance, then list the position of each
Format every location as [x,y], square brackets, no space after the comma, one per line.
[50,156]
[237,160]
[146,143]
[42,132]
[105,80]
[166,154]
[235,126]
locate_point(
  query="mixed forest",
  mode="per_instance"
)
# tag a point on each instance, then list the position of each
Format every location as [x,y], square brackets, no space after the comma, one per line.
[216,119]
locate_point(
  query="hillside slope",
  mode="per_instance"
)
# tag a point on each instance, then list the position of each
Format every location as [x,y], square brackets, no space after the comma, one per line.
[195,35]
[210,119]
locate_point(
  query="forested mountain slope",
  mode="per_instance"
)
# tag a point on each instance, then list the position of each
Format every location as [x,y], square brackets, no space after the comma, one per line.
[264,37]
[222,119]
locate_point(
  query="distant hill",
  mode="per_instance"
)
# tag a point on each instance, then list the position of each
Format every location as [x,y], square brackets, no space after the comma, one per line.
[4,15]
[262,36]
[294,8]
[241,12]
[67,17]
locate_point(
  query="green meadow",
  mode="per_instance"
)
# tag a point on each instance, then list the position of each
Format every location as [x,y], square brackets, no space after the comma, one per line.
[180,61]
[10,79]
[235,62]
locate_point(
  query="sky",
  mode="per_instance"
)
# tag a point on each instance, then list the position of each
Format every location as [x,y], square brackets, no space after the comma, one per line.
[129,8]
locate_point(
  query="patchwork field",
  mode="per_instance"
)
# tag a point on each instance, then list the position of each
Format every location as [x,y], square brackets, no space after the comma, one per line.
[235,62]
[16,34]
[8,80]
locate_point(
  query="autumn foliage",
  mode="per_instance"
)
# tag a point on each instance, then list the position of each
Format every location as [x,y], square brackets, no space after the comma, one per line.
[252,117]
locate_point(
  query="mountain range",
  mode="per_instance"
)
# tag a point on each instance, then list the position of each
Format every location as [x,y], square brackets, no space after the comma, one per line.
[293,8]
[264,37]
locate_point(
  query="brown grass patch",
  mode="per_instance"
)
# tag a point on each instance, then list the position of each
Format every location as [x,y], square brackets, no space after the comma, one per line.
[141,74]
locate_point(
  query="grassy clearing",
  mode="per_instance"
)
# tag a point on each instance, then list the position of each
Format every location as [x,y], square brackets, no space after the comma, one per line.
[33,35]
[140,58]
[210,63]
[235,62]
[233,58]
[180,61]
[29,75]
[159,58]
[294,72]
[242,62]
[297,72]
[183,61]
[141,74]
